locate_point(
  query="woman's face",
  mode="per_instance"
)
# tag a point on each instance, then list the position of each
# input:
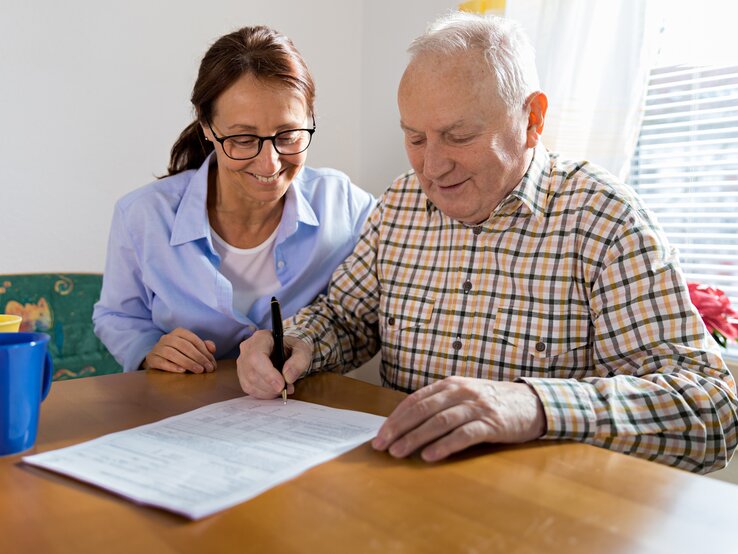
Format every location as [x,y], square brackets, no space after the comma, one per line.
[264,108]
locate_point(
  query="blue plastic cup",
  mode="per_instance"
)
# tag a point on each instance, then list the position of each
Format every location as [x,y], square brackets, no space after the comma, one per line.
[25,380]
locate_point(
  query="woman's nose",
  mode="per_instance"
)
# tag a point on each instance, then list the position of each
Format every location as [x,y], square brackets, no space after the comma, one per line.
[267,161]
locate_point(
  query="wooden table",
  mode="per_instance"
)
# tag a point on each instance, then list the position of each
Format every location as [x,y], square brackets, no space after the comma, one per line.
[540,497]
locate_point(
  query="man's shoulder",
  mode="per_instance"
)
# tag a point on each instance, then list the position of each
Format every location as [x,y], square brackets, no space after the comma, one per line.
[585,185]
[406,186]
[403,202]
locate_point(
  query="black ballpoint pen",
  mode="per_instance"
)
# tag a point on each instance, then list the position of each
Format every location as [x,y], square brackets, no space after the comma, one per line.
[278,356]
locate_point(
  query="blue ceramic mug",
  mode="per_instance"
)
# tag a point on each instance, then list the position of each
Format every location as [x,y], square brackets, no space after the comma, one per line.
[25,380]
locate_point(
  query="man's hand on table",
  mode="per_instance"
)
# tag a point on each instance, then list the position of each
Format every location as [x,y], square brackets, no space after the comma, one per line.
[457,412]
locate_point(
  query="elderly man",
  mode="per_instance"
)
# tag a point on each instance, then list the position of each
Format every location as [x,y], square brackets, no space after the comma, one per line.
[516,295]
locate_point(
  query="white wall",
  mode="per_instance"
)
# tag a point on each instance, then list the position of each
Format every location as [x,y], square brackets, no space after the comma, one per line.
[388,26]
[93,94]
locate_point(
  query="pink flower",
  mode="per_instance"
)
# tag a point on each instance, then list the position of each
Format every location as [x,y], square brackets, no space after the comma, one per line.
[720,319]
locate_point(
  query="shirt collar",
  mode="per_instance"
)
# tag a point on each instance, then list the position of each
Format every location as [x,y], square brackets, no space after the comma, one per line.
[531,191]
[297,209]
[191,221]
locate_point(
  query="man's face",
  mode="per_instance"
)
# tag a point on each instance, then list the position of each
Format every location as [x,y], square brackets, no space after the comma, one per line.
[466,149]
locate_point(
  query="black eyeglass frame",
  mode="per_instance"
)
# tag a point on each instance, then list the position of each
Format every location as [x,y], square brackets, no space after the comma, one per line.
[272,138]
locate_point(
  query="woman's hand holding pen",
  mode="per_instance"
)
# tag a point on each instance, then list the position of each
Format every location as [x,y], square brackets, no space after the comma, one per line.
[256,373]
[181,351]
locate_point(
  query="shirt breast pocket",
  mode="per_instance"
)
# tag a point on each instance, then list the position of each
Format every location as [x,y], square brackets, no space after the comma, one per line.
[544,342]
[404,313]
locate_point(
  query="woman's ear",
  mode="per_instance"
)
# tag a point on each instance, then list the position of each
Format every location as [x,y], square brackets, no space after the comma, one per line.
[205,130]
[204,127]
[537,105]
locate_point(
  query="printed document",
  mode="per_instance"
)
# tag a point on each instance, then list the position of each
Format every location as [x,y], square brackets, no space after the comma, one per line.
[204,461]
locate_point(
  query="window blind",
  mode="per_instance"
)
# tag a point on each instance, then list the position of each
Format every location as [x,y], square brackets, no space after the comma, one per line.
[685,168]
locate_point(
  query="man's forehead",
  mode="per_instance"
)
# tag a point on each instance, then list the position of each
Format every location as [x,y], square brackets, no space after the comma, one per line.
[447,106]
[464,123]
[448,65]
[450,75]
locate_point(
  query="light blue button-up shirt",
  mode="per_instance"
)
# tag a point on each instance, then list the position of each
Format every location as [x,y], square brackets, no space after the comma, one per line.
[162,270]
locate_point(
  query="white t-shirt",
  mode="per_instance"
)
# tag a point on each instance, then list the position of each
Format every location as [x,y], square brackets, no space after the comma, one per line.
[250,270]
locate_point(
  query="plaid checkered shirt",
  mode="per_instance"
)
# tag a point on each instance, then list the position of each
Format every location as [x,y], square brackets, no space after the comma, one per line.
[569,286]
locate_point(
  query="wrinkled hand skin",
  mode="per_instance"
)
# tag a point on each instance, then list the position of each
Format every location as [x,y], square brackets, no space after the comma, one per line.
[455,413]
[256,374]
[181,351]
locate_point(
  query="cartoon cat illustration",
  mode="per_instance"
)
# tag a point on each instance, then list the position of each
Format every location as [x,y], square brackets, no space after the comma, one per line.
[36,317]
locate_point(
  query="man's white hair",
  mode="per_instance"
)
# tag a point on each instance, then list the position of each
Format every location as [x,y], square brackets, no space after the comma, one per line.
[506,47]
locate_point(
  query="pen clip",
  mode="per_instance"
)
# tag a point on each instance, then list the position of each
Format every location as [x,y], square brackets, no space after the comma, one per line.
[278,356]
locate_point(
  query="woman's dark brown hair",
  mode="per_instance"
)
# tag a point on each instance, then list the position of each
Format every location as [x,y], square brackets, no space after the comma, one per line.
[259,51]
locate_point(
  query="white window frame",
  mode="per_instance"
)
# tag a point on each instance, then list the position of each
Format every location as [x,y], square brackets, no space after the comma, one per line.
[685,168]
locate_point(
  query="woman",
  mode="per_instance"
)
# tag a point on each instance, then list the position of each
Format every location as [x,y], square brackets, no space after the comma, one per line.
[194,258]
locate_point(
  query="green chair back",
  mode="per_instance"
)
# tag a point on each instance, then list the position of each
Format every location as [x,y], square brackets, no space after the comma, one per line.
[60,304]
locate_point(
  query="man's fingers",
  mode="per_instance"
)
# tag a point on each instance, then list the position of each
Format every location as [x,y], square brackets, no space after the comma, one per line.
[256,374]
[413,411]
[259,378]
[260,389]
[461,438]
[434,427]
[460,413]
[299,360]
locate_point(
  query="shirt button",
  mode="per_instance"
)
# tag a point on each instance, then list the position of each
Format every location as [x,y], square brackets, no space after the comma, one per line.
[540,347]
[280,264]
[456,345]
[390,320]
[467,287]
[477,230]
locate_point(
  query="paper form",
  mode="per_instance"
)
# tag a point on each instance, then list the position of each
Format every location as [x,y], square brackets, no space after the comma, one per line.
[209,459]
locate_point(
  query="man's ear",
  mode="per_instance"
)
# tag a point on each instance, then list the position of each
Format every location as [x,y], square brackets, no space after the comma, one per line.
[537,105]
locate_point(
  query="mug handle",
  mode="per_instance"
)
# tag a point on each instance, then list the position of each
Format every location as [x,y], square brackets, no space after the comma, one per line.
[48,372]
